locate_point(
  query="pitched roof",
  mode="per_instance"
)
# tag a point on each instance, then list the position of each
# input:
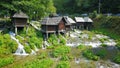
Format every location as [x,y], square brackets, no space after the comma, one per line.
[79,19]
[87,19]
[51,20]
[20,15]
[70,20]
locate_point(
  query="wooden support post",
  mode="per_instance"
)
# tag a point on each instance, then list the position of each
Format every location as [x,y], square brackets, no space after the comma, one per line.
[16,30]
[58,33]
[47,35]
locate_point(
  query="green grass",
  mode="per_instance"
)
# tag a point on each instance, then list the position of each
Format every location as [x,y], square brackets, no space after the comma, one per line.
[106,32]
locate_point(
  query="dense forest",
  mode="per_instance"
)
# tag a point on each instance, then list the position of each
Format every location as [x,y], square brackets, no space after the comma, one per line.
[87,6]
[35,9]
[41,8]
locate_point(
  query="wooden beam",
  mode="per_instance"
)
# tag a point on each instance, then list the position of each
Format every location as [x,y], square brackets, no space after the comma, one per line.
[16,30]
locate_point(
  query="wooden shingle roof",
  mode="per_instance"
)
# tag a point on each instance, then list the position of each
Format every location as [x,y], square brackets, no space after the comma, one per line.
[20,15]
[79,19]
[69,20]
[87,19]
[51,20]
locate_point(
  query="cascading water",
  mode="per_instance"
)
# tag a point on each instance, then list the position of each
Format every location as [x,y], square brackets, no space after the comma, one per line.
[45,44]
[20,50]
[36,49]
[33,52]
[84,39]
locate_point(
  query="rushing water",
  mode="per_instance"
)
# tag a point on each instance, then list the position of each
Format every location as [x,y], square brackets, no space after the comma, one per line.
[79,37]
[33,52]
[20,50]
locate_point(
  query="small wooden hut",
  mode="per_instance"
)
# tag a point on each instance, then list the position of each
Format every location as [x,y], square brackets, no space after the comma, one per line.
[88,23]
[54,25]
[79,22]
[19,20]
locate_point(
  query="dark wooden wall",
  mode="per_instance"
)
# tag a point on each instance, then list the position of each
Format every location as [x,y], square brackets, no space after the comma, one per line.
[20,22]
[61,25]
[51,28]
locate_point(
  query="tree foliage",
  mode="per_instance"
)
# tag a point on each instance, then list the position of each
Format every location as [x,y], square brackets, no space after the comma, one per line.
[35,9]
[86,6]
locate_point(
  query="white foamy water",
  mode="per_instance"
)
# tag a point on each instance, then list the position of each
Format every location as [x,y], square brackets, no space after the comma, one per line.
[36,49]
[33,52]
[20,50]
[84,39]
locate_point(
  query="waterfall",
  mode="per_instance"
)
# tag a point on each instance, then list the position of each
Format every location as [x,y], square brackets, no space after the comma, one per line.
[33,52]
[36,49]
[20,50]
[46,43]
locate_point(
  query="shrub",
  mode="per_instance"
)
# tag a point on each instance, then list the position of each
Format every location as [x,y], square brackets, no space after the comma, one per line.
[13,46]
[103,45]
[63,64]
[6,61]
[42,55]
[6,36]
[53,40]
[51,47]
[64,58]
[90,55]
[61,50]
[118,45]
[103,39]
[32,45]
[102,53]
[35,41]
[4,50]
[62,40]
[111,23]
[82,47]
[117,59]
[27,48]
[44,63]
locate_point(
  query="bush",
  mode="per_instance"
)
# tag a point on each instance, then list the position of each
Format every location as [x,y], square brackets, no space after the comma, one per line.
[62,40]
[44,63]
[32,45]
[103,40]
[5,50]
[102,53]
[103,45]
[7,45]
[82,47]
[90,55]
[53,40]
[6,61]
[51,47]
[118,45]
[111,23]
[64,58]
[42,55]
[35,41]
[116,59]
[61,50]
[63,64]
[13,46]
[27,48]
